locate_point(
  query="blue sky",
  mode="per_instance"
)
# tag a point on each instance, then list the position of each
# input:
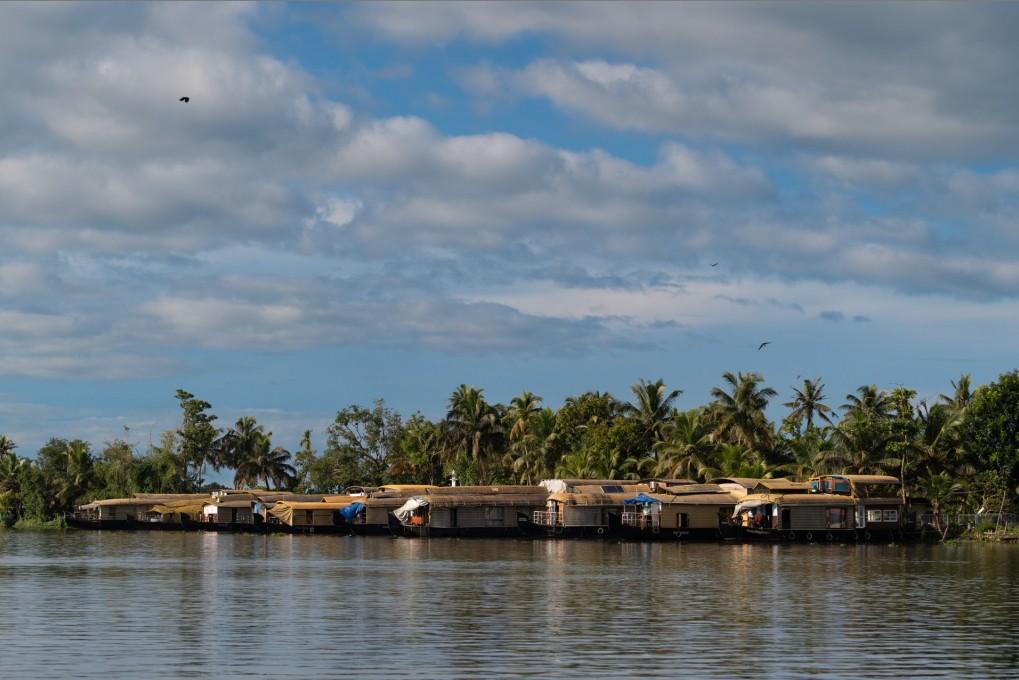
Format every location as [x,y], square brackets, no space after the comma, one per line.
[388,200]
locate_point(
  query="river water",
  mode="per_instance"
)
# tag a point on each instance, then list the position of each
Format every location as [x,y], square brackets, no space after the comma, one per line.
[192,605]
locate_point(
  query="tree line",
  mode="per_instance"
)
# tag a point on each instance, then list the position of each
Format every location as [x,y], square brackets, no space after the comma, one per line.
[960,451]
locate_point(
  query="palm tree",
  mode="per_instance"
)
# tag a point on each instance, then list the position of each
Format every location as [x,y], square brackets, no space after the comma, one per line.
[939,489]
[687,446]
[10,485]
[809,402]
[652,407]
[868,402]
[733,460]
[519,413]
[264,463]
[472,427]
[962,393]
[238,443]
[739,416]
[529,453]
[78,472]
[7,446]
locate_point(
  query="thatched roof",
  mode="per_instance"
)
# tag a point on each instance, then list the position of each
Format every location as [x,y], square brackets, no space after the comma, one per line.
[745,482]
[485,490]
[486,500]
[619,487]
[694,489]
[872,479]
[801,499]
[784,485]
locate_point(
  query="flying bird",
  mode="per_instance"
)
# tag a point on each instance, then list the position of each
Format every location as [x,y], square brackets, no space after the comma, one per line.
[763,345]
[185,99]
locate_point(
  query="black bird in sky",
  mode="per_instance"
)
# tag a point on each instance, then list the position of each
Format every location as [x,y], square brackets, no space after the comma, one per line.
[185,99]
[763,345]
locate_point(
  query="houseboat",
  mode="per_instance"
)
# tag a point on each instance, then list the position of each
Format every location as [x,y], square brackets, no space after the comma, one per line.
[879,506]
[470,511]
[681,512]
[792,514]
[310,517]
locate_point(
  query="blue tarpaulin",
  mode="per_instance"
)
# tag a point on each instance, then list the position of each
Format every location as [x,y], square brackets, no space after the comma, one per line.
[352,511]
[641,499]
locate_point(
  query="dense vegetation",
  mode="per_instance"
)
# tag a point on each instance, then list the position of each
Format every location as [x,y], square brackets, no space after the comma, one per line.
[960,452]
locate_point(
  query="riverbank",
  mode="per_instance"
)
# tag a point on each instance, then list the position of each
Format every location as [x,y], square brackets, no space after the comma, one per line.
[1009,535]
[56,524]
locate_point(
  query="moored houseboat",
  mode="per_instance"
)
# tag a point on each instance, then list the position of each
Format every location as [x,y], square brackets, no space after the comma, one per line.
[795,516]
[694,511]
[310,517]
[502,511]
[879,507]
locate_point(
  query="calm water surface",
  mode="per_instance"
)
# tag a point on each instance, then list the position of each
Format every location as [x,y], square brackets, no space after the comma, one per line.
[91,604]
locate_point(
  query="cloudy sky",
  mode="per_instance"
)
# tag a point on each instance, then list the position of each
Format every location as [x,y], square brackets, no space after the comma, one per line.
[390,200]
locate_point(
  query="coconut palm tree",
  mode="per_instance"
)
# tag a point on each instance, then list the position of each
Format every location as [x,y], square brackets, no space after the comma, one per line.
[238,443]
[472,428]
[529,453]
[685,451]
[7,446]
[519,414]
[78,473]
[733,460]
[652,406]
[869,401]
[939,489]
[809,402]
[263,462]
[962,393]
[739,415]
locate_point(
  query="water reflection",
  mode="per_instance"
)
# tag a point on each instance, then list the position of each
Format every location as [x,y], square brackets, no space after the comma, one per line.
[171,605]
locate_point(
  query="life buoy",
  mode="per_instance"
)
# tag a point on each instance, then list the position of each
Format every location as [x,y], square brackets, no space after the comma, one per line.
[810,536]
[600,530]
[829,537]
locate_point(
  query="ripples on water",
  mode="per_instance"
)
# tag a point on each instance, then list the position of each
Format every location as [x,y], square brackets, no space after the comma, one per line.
[162,605]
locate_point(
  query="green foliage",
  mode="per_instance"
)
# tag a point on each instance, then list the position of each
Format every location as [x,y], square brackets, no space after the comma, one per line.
[991,429]
[197,437]
[961,452]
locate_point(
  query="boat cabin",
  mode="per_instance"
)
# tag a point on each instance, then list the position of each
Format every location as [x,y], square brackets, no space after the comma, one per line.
[470,514]
[696,515]
[879,506]
[796,515]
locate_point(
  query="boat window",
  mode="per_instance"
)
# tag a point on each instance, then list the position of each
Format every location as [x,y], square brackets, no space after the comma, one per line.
[836,518]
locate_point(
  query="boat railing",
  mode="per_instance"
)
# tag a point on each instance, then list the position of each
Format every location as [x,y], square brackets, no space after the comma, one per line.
[546,518]
[652,521]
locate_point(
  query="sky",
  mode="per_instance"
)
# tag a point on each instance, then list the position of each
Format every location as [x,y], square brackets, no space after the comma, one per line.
[389,200]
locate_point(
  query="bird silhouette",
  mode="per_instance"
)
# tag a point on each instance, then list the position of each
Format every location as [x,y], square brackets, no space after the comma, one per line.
[185,99]
[763,345]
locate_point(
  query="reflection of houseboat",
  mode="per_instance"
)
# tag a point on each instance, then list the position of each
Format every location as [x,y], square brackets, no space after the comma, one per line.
[688,511]
[505,512]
